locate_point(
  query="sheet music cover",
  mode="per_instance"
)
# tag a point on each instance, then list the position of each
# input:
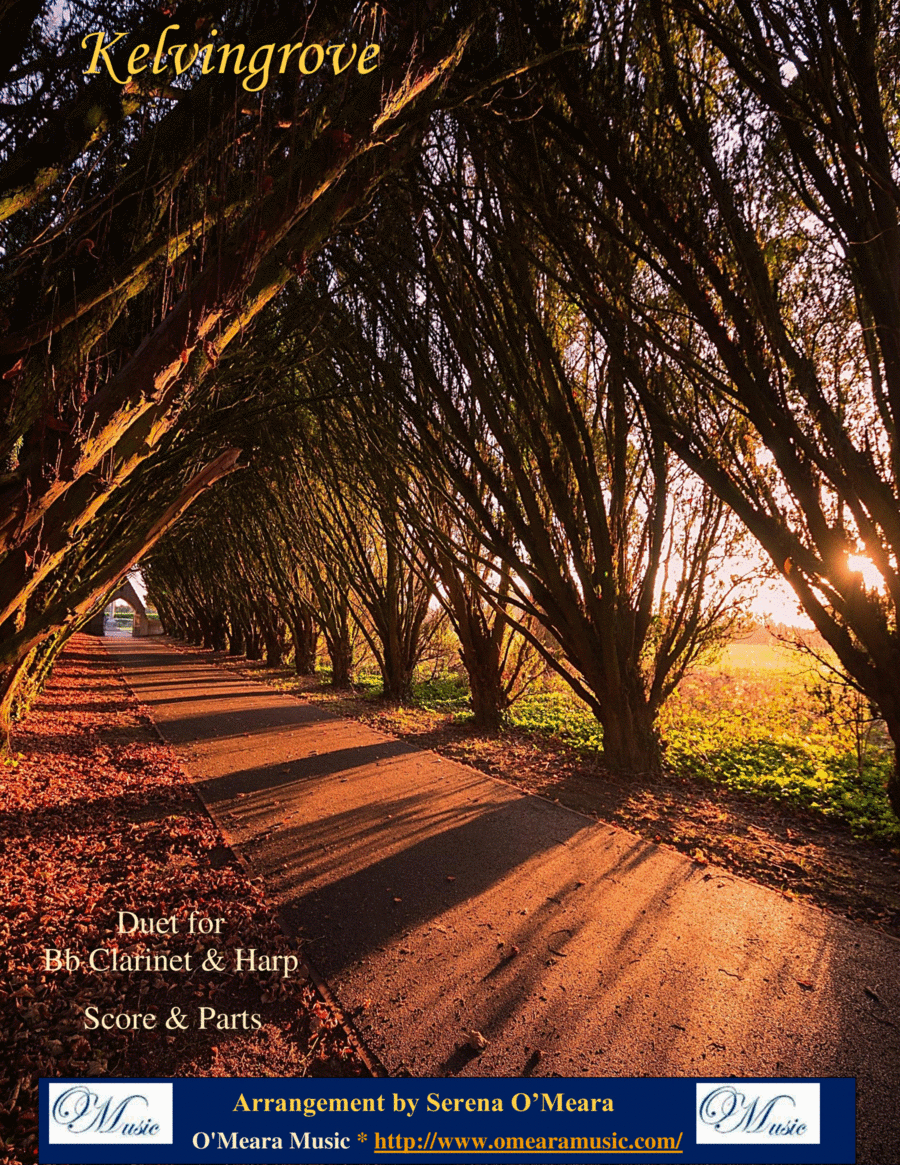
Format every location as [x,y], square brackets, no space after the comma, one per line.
[507,352]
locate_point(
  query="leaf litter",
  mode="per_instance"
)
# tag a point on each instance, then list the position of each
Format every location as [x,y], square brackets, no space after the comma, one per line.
[99,817]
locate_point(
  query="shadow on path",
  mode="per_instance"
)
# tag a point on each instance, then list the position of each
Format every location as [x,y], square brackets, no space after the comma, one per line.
[438,900]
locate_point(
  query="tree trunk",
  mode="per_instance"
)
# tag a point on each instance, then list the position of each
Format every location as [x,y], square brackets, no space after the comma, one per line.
[306,642]
[489,701]
[340,652]
[396,674]
[274,647]
[893,785]
[218,632]
[22,683]
[630,740]
[480,652]
[235,637]
[208,630]
[892,723]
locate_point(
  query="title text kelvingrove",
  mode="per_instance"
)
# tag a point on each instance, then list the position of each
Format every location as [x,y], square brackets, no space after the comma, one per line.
[222,58]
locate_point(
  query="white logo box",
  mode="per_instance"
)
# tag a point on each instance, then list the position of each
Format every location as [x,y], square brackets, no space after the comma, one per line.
[109,1112]
[744,1112]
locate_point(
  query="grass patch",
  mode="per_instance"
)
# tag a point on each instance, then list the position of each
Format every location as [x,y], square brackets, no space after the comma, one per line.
[368,685]
[560,714]
[764,735]
[443,693]
[777,737]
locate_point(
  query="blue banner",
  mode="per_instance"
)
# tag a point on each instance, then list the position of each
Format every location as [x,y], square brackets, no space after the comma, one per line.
[441,1120]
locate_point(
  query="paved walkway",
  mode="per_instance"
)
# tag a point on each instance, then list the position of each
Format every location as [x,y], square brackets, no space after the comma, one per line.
[436,900]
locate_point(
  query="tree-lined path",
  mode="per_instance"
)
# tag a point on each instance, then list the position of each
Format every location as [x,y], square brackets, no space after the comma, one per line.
[437,901]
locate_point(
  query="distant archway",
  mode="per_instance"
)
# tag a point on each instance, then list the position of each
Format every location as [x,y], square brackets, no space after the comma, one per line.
[144,624]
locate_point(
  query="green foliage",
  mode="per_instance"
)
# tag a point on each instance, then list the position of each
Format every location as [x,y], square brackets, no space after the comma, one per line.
[559,713]
[765,735]
[443,692]
[446,692]
[769,738]
[368,684]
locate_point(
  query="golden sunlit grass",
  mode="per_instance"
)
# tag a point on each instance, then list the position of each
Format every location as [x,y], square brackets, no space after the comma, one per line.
[753,658]
[765,720]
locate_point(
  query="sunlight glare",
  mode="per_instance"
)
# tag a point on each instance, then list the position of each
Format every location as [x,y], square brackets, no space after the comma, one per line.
[860,564]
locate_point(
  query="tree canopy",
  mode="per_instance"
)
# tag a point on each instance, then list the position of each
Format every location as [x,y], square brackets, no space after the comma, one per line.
[145,227]
[546,310]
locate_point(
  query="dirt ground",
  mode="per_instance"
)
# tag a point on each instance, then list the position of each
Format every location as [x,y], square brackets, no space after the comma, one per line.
[97,817]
